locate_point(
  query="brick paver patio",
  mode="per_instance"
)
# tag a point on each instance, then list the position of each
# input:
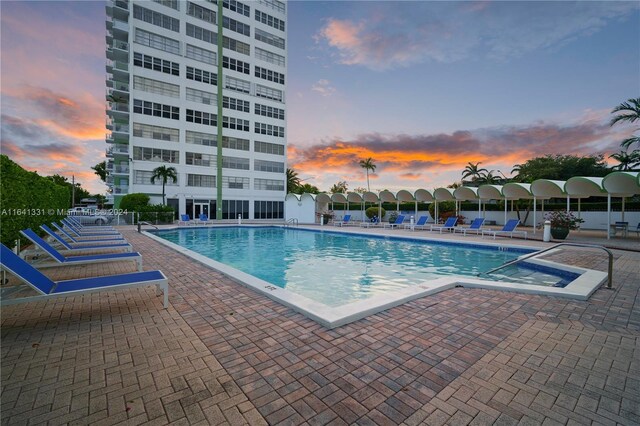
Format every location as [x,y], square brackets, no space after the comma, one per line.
[223,354]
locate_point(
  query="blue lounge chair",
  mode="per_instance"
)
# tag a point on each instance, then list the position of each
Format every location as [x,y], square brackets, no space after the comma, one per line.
[98,239]
[48,289]
[374,221]
[185,220]
[476,226]
[90,233]
[204,219]
[397,222]
[509,228]
[91,245]
[78,260]
[421,223]
[449,224]
[344,222]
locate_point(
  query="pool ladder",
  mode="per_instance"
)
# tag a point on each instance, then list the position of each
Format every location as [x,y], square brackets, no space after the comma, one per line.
[520,259]
[292,222]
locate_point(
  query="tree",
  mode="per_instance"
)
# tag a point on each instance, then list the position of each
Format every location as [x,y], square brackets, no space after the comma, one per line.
[626,161]
[474,172]
[307,188]
[75,193]
[560,167]
[368,164]
[630,112]
[339,188]
[100,169]
[293,181]
[165,173]
[134,202]
[489,178]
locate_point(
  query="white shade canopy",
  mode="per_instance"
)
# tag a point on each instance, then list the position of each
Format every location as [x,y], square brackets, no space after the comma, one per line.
[387,196]
[423,195]
[465,193]
[490,192]
[339,198]
[545,188]
[581,186]
[405,196]
[517,191]
[622,183]
[443,194]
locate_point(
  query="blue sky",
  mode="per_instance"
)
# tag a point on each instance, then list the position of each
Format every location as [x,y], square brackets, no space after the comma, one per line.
[421,87]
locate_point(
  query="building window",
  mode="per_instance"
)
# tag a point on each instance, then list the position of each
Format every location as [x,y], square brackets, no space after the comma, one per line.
[268,148]
[196,74]
[200,117]
[268,38]
[268,209]
[197,159]
[156,64]
[201,97]
[235,143]
[275,5]
[201,180]
[235,104]
[236,46]
[156,109]
[270,20]
[237,163]
[156,132]
[143,177]
[270,57]
[156,18]
[270,130]
[155,154]
[233,182]
[237,84]
[202,34]
[236,65]
[268,111]
[156,41]
[235,124]
[173,4]
[269,93]
[200,54]
[266,74]
[200,12]
[268,166]
[198,138]
[236,26]
[155,86]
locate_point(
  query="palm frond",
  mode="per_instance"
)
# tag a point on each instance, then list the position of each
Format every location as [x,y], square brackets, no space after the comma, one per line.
[630,141]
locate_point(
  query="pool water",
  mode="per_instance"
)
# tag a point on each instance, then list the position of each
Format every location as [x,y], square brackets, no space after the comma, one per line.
[336,268]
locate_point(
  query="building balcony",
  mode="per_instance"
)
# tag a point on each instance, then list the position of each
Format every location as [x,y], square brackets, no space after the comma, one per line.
[118,50]
[118,30]
[117,150]
[120,93]
[117,138]
[118,9]
[120,189]
[117,170]
[118,110]
[119,70]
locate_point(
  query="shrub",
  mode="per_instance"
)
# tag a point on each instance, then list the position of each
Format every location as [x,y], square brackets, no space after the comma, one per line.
[393,216]
[445,209]
[563,219]
[27,200]
[157,213]
[373,211]
[134,202]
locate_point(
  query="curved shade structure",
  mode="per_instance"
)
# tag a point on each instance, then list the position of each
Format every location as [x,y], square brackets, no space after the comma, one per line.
[307,195]
[387,196]
[370,197]
[581,186]
[339,197]
[465,193]
[516,191]
[424,196]
[622,183]
[443,194]
[354,197]
[291,195]
[405,196]
[545,188]
[323,197]
[490,192]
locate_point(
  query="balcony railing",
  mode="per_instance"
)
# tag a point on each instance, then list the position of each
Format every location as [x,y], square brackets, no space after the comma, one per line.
[120,189]
[118,106]
[120,128]
[118,150]
[117,65]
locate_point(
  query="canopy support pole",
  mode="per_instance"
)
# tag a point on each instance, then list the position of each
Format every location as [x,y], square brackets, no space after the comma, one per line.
[622,209]
[505,211]
[608,227]
[416,210]
[346,210]
[568,204]
[535,225]
[479,207]
[579,199]
[435,219]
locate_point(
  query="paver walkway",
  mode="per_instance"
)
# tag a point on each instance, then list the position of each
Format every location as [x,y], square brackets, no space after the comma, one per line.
[225,354]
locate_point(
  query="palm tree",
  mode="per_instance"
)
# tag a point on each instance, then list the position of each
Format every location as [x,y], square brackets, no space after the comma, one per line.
[474,171]
[630,112]
[627,161]
[165,173]
[293,181]
[368,164]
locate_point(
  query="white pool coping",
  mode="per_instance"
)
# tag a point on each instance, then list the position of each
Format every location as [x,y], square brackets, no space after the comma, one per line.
[330,317]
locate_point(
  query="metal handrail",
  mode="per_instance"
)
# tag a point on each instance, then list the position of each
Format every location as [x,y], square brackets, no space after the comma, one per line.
[292,221]
[609,272]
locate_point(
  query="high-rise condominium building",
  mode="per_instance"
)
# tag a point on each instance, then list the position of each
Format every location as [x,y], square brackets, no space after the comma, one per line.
[198,86]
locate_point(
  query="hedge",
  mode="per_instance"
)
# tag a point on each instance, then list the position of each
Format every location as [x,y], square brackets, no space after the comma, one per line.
[27,200]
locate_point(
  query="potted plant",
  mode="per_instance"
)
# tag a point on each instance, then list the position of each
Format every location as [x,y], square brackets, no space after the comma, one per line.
[562,222]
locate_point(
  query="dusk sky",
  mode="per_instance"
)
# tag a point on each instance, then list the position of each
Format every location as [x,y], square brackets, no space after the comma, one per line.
[421,87]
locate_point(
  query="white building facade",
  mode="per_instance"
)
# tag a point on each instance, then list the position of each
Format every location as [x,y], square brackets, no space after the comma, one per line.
[200,87]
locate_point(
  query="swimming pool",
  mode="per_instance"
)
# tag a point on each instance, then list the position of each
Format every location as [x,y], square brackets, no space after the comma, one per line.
[335,272]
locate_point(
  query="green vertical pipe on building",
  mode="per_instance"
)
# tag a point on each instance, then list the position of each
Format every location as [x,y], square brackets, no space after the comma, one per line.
[219,139]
